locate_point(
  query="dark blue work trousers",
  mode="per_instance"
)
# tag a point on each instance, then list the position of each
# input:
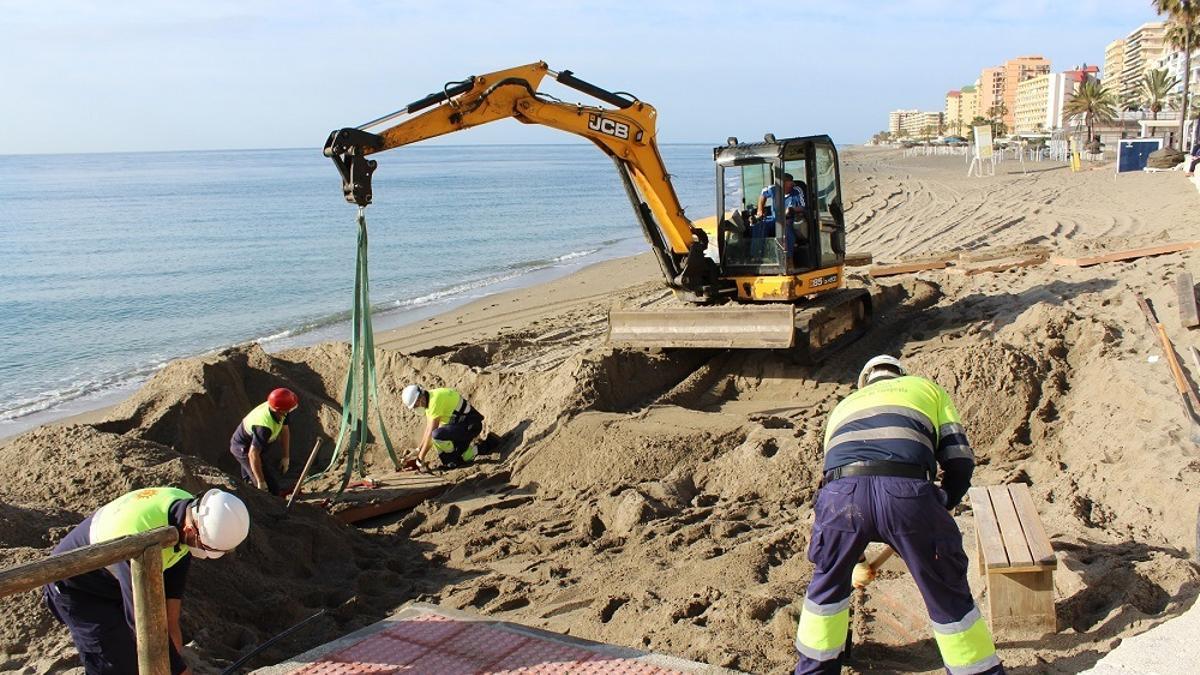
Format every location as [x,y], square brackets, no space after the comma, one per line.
[906,514]
[105,642]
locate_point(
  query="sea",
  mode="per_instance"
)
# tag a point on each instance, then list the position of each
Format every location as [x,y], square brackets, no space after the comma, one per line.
[111,265]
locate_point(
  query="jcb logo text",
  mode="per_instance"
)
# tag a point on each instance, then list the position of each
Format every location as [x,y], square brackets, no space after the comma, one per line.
[607,126]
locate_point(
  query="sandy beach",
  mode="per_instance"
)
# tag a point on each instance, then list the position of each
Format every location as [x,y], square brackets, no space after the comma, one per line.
[664,500]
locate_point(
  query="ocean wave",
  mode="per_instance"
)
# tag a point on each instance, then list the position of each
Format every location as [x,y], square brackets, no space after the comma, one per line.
[456,291]
[75,391]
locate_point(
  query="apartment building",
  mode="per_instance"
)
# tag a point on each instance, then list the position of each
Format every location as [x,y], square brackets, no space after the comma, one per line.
[1040,100]
[1143,51]
[999,85]
[952,112]
[896,120]
[968,107]
[1114,62]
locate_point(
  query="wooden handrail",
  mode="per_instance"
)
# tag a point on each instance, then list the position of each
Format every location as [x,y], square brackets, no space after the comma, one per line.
[144,550]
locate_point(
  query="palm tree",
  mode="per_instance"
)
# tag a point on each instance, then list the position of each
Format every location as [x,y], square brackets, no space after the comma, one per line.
[1155,90]
[1095,102]
[1184,17]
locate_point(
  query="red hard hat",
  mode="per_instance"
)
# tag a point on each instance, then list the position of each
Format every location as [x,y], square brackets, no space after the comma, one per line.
[283,400]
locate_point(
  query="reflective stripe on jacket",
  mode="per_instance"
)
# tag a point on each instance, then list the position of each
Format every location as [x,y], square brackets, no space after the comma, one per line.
[905,419]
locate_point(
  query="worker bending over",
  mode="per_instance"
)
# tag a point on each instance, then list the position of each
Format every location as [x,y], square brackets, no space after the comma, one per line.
[883,446]
[450,427]
[97,607]
[253,441]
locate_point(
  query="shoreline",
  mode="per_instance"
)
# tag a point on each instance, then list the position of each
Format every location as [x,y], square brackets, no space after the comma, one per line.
[448,319]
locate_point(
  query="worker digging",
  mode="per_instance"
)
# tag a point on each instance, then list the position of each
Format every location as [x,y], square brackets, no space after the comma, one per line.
[97,607]
[452,426]
[883,446]
[261,434]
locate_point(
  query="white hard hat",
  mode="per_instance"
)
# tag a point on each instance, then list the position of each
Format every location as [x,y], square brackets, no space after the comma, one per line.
[222,522]
[878,367]
[410,395]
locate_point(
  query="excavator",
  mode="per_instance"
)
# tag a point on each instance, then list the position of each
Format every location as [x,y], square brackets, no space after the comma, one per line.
[740,279]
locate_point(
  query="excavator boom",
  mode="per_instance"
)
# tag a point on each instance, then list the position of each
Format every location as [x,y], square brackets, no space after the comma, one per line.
[626,132]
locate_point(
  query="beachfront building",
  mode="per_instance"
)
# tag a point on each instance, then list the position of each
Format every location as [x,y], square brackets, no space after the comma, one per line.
[968,106]
[1114,63]
[999,86]
[923,124]
[896,120]
[1035,100]
[952,114]
[1172,61]
[1143,51]
[1040,100]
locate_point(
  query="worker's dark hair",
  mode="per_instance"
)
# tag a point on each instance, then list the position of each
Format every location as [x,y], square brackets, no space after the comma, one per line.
[788,176]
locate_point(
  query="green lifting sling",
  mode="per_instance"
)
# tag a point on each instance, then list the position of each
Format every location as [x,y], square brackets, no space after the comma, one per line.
[361,391]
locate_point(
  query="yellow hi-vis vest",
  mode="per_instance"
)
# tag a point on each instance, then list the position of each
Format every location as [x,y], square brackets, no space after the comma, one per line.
[261,417]
[136,512]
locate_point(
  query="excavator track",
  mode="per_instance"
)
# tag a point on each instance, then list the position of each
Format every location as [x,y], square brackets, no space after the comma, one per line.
[808,331]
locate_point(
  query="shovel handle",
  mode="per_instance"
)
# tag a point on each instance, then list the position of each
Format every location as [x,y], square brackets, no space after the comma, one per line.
[303,472]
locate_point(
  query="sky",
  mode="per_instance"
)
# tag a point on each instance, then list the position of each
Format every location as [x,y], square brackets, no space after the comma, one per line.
[119,75]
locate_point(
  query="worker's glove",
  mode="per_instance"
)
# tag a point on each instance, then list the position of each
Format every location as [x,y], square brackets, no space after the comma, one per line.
[284,463]
[863,575]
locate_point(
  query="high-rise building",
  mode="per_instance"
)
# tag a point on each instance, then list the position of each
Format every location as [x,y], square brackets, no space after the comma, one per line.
[1143,50]
[1114,63]
[968,107]
[921,124]
[1017,71]
[1040,101]
[991,90]
[896,120]
[998,92]
[952,114]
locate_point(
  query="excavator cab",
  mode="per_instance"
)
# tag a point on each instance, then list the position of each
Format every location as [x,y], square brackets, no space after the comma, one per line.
[795,177]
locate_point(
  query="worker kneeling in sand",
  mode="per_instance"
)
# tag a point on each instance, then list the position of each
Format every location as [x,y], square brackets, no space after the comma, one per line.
[450,427]
[97,607]
[883,446]
[256,435]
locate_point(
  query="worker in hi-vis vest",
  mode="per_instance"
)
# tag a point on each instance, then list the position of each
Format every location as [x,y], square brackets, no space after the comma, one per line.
[883,446]
[451,425]
[254,440]
[97,606]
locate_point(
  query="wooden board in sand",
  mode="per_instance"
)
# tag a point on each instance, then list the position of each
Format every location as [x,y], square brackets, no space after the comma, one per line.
[1130,254]
[395,491]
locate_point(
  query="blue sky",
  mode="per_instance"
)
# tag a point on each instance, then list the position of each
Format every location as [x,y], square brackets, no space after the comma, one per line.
[212,74]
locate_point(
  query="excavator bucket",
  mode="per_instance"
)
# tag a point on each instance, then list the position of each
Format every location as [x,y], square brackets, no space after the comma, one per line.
[807,332]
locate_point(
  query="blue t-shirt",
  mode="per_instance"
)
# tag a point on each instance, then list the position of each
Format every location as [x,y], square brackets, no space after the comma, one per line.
[792,200]
[261,438]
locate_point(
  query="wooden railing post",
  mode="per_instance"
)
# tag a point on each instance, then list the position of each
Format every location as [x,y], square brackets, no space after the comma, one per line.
[144,550]
[150,612]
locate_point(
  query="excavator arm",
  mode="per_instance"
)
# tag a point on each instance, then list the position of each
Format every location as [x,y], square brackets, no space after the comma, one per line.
[626,133]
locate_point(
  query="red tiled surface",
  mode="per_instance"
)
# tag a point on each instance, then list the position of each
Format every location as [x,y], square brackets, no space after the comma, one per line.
[442,646]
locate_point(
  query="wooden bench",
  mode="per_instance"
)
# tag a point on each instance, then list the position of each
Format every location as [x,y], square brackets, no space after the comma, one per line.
[1016,561]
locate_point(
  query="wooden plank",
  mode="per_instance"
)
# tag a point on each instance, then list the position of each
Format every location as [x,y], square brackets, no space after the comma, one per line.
[150,612]
[1185,288]
[857,259]
[906,268]
[38,573]
[1010,526]
[987,530]
[1001,265]
[1031,522]
[1129,254]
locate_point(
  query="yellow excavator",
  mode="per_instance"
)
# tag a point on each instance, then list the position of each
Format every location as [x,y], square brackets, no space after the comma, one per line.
[746,279]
